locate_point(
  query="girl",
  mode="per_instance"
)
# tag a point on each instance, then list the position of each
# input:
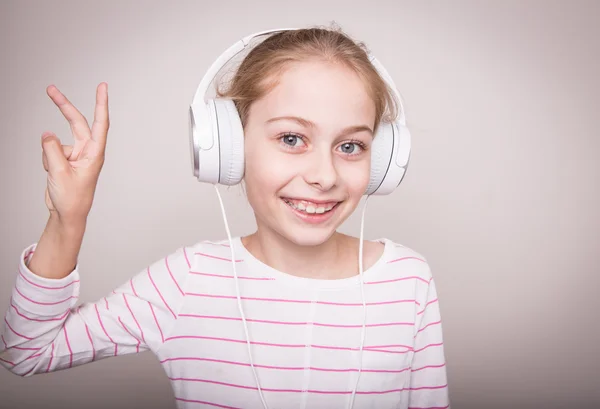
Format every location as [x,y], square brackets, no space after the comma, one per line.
[285,328]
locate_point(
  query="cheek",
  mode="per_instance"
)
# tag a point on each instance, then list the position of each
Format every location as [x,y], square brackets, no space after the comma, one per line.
[265,172]
[355,176]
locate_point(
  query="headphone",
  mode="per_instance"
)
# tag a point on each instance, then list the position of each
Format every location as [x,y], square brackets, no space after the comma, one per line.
[217,135]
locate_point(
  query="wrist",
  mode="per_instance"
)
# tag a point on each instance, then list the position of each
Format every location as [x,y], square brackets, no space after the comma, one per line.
[67,228]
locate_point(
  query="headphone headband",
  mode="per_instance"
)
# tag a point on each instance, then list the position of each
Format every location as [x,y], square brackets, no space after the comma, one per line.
[240,45]
[217,135]
[224,58]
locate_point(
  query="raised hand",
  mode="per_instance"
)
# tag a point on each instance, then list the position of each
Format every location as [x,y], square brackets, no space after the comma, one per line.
[73,170]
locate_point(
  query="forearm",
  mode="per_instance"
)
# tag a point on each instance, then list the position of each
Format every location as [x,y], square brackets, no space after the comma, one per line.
[58,249]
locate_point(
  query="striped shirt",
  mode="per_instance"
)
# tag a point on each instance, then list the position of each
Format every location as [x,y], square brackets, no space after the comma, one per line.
[304,333]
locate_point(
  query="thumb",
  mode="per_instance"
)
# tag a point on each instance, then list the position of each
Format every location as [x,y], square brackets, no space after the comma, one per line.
[53,151]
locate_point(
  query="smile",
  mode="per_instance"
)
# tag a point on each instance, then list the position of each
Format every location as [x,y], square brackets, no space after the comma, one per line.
[310,207]
[312,212]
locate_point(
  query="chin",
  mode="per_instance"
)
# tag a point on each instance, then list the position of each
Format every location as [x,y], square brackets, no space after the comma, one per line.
[307,238]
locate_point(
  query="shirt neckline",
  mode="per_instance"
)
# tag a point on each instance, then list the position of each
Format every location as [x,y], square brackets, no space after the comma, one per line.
[263,269]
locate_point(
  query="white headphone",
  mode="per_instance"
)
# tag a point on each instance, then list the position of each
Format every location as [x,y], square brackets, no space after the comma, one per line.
[217,136]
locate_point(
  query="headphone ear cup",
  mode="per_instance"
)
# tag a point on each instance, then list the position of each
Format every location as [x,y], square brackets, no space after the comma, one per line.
[230,135]
[390,153]
[381,156]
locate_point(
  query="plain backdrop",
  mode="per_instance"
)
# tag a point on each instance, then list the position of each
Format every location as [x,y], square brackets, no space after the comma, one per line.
[502,193]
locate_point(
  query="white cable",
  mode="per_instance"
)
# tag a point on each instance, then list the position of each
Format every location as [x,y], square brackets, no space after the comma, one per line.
[362,294]
[239,299]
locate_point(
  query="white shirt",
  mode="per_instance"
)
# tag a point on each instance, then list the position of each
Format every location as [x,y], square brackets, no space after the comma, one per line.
[304,333]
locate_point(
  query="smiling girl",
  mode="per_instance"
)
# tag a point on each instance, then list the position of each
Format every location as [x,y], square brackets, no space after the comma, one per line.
[288,329]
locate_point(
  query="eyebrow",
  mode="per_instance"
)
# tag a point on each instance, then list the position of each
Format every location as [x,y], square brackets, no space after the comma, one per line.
[308,124]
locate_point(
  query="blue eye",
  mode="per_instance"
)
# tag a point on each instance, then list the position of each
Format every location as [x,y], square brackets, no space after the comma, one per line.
[348,147]
[352,148]
[292,140]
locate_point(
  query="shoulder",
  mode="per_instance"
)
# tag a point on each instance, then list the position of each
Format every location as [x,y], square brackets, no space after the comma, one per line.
[182,257]
[210,249]
[399,257]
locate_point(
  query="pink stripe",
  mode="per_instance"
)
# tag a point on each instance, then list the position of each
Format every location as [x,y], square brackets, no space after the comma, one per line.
[286,368]
[206,403]
[37,319]
[25,349]
[159,294]
[29,253]
[42,303]
[406,258]
[428,367]
[233,385]
[429,387]
[232,297]
[133,336]
[106,303]
[92,342]
[318,324]
[279,345]
[87,330]
[186,258]
[426,305]
[28,372]
[391,346]
[104,329]
[429,346]
[162,337]
[134,319]
[51,356]
[386,351]
[171,274]
[228,276]
[17,347]
[34,355]
[8,362]
[398,279]
[68,347]
[15,332]
[133,288]
[216,257]
[428,325]
[217,244]
[45,287]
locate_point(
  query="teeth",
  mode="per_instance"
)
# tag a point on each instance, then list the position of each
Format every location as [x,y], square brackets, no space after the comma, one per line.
[310,209]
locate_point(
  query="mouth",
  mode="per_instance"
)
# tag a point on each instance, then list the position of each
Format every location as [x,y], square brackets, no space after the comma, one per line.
[312,212]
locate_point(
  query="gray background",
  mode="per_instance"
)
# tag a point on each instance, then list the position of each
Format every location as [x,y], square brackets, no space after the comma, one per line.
[501,196]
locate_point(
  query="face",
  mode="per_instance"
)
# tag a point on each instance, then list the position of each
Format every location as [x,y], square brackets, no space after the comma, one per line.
[307,152]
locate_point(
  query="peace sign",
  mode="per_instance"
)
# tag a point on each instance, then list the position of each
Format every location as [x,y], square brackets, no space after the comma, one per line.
[73,170]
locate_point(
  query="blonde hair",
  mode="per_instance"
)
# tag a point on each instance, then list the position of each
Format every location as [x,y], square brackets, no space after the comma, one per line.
[259,71]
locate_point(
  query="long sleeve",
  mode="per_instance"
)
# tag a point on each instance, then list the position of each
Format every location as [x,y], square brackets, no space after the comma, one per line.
[429,383]
[43,330]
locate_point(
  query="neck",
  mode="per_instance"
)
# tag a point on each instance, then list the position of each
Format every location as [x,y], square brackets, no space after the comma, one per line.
[328,260]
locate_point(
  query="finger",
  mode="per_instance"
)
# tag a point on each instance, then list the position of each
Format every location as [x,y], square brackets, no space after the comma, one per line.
[78,123]
[67,151]
[101,120]
[55,160]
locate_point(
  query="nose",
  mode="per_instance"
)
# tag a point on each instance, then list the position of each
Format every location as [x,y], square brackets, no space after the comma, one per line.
[321,172]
